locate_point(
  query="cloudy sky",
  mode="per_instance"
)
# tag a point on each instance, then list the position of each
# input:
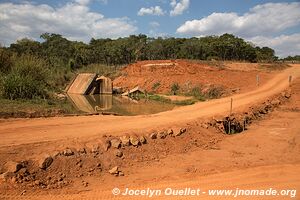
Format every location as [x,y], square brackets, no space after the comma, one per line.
[265,23]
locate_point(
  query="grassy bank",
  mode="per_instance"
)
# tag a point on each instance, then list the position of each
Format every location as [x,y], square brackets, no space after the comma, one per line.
[34,108]
[156,97]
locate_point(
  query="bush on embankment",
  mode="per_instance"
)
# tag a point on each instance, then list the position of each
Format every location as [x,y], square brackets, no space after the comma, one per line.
[27,78]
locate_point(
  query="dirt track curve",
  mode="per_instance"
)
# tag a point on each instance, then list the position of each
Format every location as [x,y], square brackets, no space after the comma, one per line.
[23,131]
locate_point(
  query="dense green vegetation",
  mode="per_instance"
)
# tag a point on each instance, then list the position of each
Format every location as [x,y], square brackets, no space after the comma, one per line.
[36,69]
[28,78]
[59,51]
[292,58]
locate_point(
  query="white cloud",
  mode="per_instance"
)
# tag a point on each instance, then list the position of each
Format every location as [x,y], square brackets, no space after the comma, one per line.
[267,19]
[73,20]
[86,2]
[154,30]
[156,34]
[283,45]
[156,10]
[154,24]
[83,2]
[179,7]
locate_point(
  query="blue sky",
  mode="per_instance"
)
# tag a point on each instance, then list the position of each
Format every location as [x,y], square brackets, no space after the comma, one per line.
[264,23]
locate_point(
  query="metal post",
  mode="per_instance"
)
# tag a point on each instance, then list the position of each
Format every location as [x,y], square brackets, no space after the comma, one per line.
[231,101]
[229,125]
[290,80]
[257,80]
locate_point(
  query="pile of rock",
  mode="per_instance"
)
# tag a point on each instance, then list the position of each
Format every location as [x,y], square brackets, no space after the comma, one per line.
[38,174]
[125,141]
[165,133]
[116,171]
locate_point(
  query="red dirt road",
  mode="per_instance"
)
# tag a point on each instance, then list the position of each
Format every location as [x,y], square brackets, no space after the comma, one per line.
[277,177]
[23,131]
[264,156]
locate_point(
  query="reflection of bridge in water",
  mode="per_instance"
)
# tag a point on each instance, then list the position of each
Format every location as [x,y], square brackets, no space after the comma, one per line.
[91,103]
[121,105]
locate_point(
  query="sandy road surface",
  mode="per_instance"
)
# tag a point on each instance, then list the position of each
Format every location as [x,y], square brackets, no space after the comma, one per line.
[22,131]
[277,177]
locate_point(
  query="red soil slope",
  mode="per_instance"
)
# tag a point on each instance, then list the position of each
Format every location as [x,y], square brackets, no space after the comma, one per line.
[187,74]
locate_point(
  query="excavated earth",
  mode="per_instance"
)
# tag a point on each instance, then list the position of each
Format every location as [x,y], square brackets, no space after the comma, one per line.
[159,75]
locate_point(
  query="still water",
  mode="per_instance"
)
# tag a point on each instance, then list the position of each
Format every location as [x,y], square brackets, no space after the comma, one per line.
[116,104]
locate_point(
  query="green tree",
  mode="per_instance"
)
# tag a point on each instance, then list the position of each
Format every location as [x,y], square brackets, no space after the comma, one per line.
[59,51]
[26,46]
[56,47]
[292,58]
[265,54]
[5,60]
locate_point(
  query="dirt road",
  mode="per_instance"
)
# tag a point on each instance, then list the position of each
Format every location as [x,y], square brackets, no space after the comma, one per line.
[23,131]
[265,156]
[277,177]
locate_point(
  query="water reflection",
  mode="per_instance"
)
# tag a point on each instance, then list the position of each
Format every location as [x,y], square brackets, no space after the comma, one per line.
[116,104]
[91,103]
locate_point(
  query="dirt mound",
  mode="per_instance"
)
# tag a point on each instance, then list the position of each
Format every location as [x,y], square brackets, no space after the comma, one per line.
[105,157]
[159,75]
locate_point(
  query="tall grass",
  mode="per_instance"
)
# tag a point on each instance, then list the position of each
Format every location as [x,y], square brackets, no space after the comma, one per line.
[27,79]
[214,92]
[196,92]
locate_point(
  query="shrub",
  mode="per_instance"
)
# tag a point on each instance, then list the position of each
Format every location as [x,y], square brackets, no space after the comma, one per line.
[214,92]
[31,66]
[16,86]
[5,61]
[28,79]
[1,83]
[174,88]
[60,78]
[155,85]
[197,93]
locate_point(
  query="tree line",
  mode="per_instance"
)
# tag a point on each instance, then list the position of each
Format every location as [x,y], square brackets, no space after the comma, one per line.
[295,58]
[59,51]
